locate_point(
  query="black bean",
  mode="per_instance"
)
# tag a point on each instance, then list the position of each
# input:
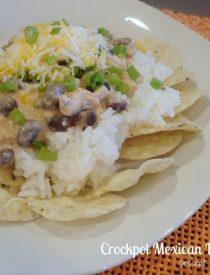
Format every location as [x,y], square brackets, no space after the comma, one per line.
[59,123]
[6,157]
[89,88]
[7,103]
[91,118]
[63,63]
[51,97]
[118,106]
[28,133]
[85,118]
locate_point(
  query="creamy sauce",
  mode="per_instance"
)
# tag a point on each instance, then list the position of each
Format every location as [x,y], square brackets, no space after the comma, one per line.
[29,103]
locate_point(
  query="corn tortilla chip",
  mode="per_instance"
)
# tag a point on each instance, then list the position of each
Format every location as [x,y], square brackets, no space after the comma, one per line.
[129,177]
[163,52]
[189,94]
[7,177]
[65,209]
[150,146]
[179,122]
[179,76]
[14,209]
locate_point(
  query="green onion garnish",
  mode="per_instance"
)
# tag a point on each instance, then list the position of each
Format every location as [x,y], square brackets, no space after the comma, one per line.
[55,30]
[115,70]
[16,116]
[31,34]
[87,79]
[132,72]
[97,80]
[103,31]
[51,59]
[113,79]
[46,155]
[69,83]
[92,80]
[123,88]
[38,143]
[156,83]
[8,85]
[119,50]
[47,78]
[78,72]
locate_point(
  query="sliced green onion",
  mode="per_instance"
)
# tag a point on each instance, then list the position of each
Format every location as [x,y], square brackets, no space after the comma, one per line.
[47,78]
[156,83]
[38,143]
[51,59]
[8,85]
[97,80]
[65,22]
[78,72]
[87,79]
[103,31]
[16,116]
[46,155]
[123,88]
[115,70]
[119,50]
[55,30]
[132,72]
[113,79]
[31,34]
[69,83]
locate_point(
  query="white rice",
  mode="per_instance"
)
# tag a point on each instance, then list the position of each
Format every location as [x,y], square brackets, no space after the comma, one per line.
[34,171]
[149,105]
[90,155]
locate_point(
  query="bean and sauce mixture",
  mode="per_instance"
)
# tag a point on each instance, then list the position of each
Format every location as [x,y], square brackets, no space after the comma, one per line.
[32,105]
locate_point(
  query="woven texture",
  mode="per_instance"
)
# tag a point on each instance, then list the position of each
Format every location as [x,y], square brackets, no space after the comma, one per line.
[199,24]
[195,232]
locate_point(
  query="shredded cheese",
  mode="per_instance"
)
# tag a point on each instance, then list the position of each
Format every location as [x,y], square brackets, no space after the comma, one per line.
[79,44]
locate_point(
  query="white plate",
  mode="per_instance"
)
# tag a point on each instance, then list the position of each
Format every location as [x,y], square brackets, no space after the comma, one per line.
[160,203]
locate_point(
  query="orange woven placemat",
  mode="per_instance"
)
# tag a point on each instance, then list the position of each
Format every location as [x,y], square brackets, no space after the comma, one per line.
[195,232]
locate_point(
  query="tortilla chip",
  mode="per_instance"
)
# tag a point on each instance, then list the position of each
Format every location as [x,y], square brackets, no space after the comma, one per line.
[127,178]
[14,209]
[150,146]
[7,177]
[163,52]
[179,122]
[179,76]
[65,209]
[189,94]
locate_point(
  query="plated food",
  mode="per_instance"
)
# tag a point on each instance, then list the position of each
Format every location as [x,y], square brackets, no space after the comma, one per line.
[75,102]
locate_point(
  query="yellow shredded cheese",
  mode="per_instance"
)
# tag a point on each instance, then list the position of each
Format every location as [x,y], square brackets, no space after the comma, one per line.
[81,45]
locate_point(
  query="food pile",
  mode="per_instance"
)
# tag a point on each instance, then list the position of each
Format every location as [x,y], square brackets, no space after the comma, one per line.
[84,115]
